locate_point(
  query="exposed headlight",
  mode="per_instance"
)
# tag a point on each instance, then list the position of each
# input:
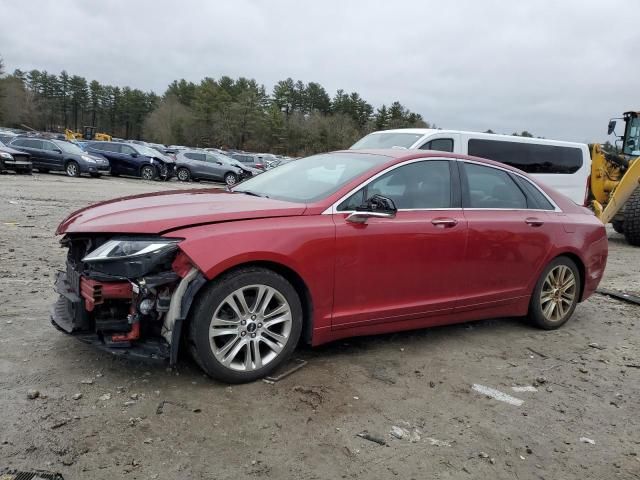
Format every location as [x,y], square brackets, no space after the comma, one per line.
[87,158]
[131,257]
[125,248]
[6,156]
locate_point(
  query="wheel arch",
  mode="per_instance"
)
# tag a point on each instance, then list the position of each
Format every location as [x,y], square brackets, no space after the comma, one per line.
[579,263]
[290,275]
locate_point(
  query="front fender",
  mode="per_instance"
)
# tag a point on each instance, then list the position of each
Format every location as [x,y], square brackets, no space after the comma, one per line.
[304,244]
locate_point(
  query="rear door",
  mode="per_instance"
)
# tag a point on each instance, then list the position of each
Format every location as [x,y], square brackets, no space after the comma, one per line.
[509,237]
[405,268]
[34,147]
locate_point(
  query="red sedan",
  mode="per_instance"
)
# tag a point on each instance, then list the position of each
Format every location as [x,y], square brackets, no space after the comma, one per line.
[330,246]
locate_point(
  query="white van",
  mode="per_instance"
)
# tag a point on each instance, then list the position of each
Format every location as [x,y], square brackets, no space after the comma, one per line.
[564,166]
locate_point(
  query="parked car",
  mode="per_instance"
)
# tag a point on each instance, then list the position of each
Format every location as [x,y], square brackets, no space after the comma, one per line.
[250,159]
[134,160]
[16,160]
[326,247]
[204,165]
[565,166]
[60,155]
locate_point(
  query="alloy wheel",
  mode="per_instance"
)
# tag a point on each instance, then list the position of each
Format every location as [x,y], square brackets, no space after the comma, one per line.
[147,173]
[230,179]
[558,294]
[250,328]
[72,169]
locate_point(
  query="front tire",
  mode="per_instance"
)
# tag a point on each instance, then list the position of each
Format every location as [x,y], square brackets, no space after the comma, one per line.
[556,294]
[148,172]
[183,174]
[245,324]
[72,168]
[231,179]
[632,219]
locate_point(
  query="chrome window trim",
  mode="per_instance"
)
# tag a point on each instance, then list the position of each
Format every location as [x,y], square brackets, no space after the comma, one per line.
[333,209]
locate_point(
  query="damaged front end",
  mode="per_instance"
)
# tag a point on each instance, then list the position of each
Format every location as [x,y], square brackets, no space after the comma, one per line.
[129,295]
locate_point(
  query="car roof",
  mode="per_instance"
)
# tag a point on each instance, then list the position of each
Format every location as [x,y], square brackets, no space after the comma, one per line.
[398,155]
[484,135]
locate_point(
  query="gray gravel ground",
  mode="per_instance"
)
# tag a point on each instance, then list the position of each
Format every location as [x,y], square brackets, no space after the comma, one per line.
[97,417]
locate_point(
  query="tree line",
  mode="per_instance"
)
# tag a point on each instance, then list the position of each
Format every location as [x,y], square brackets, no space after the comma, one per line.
[295,118]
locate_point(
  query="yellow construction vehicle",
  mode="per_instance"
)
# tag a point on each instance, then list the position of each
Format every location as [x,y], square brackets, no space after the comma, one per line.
[615,180]
[88,133]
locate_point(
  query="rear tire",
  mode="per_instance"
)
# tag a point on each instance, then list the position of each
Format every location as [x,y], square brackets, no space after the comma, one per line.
[556,294]
[632,219]
[257,316]
[72,168]
[183,174]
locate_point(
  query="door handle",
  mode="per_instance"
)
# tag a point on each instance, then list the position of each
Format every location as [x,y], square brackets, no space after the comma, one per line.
[533,221]
[444,222]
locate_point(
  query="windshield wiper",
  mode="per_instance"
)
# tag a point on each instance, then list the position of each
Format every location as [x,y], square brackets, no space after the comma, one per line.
[249,192]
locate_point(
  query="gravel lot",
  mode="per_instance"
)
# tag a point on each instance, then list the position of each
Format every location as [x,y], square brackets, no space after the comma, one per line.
[98,416]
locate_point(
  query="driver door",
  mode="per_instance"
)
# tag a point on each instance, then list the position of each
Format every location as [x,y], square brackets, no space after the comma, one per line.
[406,267]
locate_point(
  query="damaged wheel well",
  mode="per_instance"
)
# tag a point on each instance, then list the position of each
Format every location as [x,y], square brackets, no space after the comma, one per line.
[292,276]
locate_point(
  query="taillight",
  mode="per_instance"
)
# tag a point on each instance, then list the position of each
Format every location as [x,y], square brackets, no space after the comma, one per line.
[587,191]
[259,165]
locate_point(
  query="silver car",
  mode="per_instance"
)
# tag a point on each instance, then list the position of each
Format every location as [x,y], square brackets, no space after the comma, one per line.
[203,165]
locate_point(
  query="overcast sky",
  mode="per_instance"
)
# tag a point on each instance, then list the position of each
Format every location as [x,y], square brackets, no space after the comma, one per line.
[557,69]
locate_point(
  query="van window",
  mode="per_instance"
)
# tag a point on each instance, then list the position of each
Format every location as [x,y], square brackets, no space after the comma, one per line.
[439,144]
[529,157]
[492,188]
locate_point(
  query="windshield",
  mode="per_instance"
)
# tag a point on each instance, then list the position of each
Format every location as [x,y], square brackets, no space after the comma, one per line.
[312,178]
[387,140]
[69,147]
[632,140]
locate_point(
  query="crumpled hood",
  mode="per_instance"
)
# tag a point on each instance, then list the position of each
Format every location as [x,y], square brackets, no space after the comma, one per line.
[161,212]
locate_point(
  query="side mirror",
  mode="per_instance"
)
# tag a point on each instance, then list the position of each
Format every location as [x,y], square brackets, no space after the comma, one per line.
[218,162]
[134,155]
[612,127]
[375,207]
[57,150]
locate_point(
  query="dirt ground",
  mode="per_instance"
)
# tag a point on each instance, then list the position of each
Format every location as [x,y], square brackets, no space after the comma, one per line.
[581,423]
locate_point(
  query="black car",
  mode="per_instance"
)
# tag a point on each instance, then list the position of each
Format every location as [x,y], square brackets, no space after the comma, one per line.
[134,160]
[16,160]
[49,154]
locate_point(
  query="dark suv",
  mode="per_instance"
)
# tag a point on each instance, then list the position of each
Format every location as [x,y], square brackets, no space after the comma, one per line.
[135,160]
[48,154]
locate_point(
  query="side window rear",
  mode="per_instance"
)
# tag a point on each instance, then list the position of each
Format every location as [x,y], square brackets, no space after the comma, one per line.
[195,156]
[492,188]
[439,144]
[528,157]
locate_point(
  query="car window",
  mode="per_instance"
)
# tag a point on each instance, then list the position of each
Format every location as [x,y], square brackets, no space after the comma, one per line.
[195,156]
[126,149]
[19,142]
[212,158]
[49,146]
[98,146]
[32,143]
[529,157]
[492,188]
[536,198]
[421,185]
[439,144]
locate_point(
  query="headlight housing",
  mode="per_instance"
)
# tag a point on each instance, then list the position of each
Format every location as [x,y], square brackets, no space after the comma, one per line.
[131,257]
[6,156]
[87,158]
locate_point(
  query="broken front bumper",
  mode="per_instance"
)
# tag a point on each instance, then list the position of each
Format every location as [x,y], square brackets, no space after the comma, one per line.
[71,314]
